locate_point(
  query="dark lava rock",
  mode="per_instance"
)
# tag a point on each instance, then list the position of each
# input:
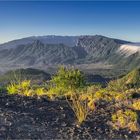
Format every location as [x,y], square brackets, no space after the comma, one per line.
[32,118]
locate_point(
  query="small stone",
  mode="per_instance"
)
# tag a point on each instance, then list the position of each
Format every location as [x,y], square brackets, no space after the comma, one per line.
[61,108]
[98,129]
[63,124]
[125,136]
[78,126]
[57,119]
[7,104]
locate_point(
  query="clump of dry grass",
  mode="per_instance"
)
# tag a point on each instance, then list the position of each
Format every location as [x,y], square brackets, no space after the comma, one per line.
[81,104]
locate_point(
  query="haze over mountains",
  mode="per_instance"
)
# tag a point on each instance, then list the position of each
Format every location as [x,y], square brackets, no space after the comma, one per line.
[43,51]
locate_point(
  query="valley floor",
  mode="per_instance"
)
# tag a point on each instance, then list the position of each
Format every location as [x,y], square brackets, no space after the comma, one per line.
[31,118]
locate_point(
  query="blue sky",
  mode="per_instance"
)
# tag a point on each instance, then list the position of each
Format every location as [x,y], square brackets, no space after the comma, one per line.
[113,19]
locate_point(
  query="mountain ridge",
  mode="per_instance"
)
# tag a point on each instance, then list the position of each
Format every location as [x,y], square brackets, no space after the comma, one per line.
[84,49]
[29,39]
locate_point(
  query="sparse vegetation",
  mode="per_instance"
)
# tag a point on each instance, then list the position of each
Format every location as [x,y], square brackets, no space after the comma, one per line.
[69,84]
[22,88]
[81,105]
[136,104]
[125,119]
[66,80]
[36,76]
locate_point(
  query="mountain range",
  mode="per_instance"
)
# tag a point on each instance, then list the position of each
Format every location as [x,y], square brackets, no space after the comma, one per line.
[43,51]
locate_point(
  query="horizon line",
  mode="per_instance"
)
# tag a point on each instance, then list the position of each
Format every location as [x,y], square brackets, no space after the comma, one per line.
[67,36]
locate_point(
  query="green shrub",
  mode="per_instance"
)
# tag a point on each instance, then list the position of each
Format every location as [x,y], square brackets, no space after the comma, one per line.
[70,83]
[66,80]
[117,85]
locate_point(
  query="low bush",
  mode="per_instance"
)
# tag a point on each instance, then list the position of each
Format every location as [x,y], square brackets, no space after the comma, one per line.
[24,88]
[125,119]
[40,91]
[66,80]
[116,85]
[107,95]
[136,104]
[82,105]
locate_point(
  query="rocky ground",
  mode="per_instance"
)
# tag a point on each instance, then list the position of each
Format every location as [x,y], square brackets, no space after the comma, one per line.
[31,118]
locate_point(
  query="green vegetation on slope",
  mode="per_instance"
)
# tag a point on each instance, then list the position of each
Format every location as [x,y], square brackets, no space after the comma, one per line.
[37,76]
[131,80]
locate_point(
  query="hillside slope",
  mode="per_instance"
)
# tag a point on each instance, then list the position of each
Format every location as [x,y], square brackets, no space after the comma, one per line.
[38,53]
[132,79]
[36,76]
[55,50]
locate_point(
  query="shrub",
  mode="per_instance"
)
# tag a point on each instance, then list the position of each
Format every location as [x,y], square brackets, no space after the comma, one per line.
[40,91]
[119,96]
[66,80]
[136,104]
[116,85]
[112,95]
[102,94]
[81,104]
[12,88]
[125,119]
[93,89]
[106,95]
[22,88]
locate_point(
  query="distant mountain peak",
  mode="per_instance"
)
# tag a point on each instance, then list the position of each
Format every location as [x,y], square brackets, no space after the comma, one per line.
[50,50]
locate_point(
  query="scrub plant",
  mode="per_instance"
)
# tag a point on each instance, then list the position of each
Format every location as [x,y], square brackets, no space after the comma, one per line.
[12,88]
[66,80]
[125,119]
[82,105]
[22,88]
[70,83]
[40,91]
[136,104]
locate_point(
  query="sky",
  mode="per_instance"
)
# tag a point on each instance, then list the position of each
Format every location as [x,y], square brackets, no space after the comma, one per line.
[118,19]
